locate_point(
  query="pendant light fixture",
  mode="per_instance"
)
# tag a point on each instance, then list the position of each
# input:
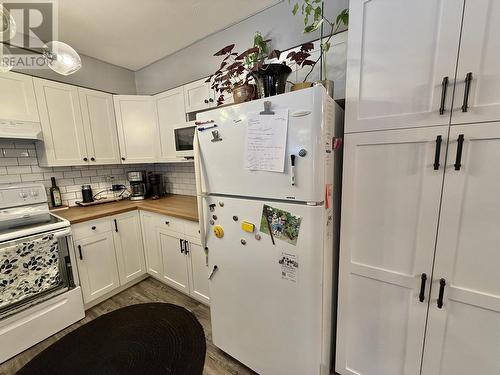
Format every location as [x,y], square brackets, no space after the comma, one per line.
[59,56]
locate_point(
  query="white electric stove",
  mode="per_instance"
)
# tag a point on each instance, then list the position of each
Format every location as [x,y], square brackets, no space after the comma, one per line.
[39,287]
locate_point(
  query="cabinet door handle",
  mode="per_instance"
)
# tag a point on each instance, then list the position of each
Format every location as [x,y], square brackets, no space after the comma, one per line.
[468,80]
[116,225]
[211,100]
[423,280]
[186,247]
[123,158]
[85,159]
[94,227]
[182,246]
[442,284]
[437,155]
[92,159]
[444,88]
[214,270]
[80,252]
[460,146]
[206,101]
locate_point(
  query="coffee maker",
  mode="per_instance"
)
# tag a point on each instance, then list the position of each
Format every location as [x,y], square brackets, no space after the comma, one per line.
[154,188]
[137,181]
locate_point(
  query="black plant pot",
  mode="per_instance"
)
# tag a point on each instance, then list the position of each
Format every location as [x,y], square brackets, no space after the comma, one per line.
[271,79]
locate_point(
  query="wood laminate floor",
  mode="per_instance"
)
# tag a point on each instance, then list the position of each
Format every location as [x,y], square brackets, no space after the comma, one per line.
[149,290]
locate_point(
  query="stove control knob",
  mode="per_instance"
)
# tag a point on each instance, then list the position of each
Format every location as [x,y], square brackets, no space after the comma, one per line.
[23,194]
[34,193]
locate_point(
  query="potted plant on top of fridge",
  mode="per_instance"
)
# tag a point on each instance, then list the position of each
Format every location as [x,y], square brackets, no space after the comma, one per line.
[314,19]
[244,74]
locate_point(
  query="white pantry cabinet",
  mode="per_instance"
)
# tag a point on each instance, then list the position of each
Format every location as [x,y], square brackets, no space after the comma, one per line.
[62,125]
[479,56]
[99,126]
[17,98]
[198,95]
[171,114]
[398,71]
[129,246]
[138,131]
[463,334]
[97,265]
[390,206]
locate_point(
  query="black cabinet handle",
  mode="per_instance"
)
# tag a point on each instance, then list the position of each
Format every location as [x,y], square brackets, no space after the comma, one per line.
[444,88]
[181,245]
[206,101]
[211,100]
[116,226]
[468,80]
[442,284]
[423,280]
[460,146]
[94,227]
[85,159]
[92,159]
[186,247]
[80,252]
[167,222]
[123,158]
[437,155]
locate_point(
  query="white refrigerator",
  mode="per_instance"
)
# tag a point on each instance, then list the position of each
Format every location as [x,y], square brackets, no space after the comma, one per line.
[271,229]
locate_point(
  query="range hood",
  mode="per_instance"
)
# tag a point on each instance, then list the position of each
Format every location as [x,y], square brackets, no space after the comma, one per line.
[20,130]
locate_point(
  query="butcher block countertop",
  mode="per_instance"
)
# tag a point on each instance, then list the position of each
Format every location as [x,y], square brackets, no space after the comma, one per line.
[180,206]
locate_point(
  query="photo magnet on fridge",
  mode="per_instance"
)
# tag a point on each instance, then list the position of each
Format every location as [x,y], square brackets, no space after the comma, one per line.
[280,224]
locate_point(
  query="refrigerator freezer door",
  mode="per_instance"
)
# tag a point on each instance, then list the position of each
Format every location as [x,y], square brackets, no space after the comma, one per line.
[310,128]
[273,317]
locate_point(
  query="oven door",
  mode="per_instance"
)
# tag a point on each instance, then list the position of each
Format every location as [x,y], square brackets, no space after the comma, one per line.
[184,136]
[34,269]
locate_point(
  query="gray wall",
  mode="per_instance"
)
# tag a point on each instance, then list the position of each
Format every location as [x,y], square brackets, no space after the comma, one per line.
[94,74]
[197,61]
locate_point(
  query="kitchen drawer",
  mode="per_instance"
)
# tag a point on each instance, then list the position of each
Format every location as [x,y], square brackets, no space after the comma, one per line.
[192,228]
[91,228]
[171,224]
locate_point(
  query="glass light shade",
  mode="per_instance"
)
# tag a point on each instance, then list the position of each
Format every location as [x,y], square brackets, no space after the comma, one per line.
[7,25]
[5,66]
[61,58]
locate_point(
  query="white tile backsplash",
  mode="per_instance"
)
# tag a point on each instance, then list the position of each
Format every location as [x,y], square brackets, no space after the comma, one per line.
[18,164]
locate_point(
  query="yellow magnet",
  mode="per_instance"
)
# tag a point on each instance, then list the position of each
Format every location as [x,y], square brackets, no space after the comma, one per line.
[218,231]
[247,227]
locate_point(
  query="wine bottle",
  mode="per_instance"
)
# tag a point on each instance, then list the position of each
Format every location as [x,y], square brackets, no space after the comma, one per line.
[55,194]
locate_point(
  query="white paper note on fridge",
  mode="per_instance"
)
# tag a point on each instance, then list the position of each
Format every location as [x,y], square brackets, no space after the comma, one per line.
[266,141]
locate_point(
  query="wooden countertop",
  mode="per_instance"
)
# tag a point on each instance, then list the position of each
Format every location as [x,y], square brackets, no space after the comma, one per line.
[181,206]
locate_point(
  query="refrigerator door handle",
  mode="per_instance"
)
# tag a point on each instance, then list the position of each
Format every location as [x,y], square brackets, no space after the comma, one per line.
[200,194]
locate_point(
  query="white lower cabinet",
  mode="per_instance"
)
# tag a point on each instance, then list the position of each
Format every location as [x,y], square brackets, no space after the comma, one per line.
[175,267]
[154,264]
[97,265]
[109,253]
[174,254]
[419,287]
[129,246]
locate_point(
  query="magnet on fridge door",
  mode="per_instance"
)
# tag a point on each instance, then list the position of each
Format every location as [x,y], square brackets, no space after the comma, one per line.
[258,236]
[247,227]
[218,231]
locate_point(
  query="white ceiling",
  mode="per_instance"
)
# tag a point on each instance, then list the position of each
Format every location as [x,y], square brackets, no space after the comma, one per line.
[133,34]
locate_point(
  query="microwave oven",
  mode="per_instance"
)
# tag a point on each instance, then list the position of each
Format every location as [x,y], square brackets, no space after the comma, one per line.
[183,139]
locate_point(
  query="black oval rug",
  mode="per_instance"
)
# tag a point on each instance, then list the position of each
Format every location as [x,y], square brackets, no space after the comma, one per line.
[150,338]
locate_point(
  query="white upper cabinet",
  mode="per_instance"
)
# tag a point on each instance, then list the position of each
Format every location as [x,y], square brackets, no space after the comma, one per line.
[17,98]
[198,95]
[463,334]
[100,126]
[137,125]
[171,113]
[390,206]
[62,124]
[480,56]
[396,71]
